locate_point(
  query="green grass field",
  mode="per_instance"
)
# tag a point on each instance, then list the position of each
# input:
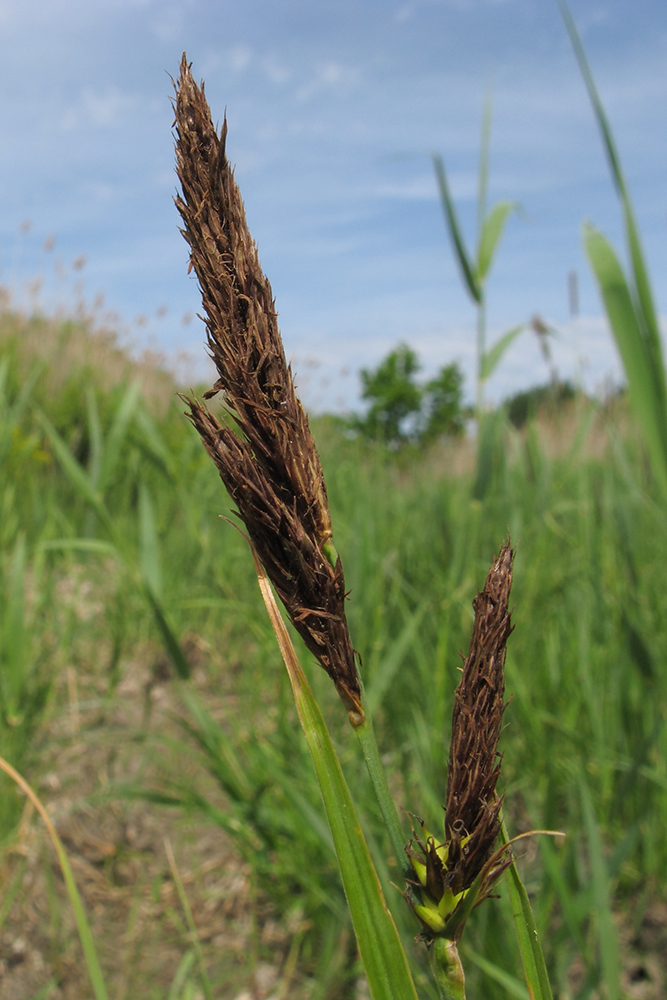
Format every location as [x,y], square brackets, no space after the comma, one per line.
[118,579]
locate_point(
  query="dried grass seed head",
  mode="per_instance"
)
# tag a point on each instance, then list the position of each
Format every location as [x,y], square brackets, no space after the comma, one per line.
[265,455]
[472,808]
[446,869]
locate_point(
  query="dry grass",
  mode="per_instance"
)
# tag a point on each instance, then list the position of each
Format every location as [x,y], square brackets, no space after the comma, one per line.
[81,350]
[267,460]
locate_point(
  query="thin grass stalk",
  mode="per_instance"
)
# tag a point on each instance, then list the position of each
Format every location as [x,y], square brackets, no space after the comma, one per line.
[82,925]
[192,927]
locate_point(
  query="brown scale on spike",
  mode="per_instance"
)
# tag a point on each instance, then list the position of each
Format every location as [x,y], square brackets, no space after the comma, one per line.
[263,448]
[446,869]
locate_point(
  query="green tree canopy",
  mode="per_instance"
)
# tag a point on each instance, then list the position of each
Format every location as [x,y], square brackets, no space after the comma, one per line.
[403,410]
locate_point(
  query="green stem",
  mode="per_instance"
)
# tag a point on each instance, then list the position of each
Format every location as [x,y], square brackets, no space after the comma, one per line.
[370,750]
[447,970]
[481,351]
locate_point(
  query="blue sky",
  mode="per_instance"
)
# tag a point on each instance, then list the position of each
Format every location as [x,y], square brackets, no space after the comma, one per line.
[332,110]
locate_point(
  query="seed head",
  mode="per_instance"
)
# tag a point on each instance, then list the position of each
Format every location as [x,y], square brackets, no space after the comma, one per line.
[263,447]
[446,869]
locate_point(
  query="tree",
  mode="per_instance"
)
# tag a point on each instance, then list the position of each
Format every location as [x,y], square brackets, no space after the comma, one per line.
[401,409]
[394,396]
[443,404]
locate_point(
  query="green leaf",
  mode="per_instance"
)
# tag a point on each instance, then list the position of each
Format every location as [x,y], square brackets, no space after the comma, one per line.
[491,234]
[151,443]
[642,281]
[455,233]
[389,664]
[627,333]
[13,651]
[380,946]
[117,434]
[510,984]
[534,969]
[74,472]
[149,545]
[640,294]
[95,436]
[171,643]
[607,934]
[484,151]
[494,354]
[192,927]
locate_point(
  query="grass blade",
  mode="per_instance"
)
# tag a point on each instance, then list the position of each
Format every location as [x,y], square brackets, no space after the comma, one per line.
[75,473]
[381,950]
[171,643]
[484,156]
[607,935]
[494,354]
[454,228]
[95,435]
[12,639]
[510,984]
[491,234]
[640,271]
[625,325]
[192,927]
[388,666]
[647,340]
[180,979]
[117,434]
[149,545]
[146,573]
[534,969]
[82,925]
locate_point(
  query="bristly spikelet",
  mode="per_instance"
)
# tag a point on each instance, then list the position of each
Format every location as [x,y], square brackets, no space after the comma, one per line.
[472,811]
[269,462]
[446,869]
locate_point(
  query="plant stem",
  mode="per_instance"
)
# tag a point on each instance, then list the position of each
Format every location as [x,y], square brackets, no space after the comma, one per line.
[481,350]
[371,752]
[447,970]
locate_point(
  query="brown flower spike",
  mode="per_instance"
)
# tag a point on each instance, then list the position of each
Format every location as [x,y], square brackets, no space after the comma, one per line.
[447,869]
[265,453]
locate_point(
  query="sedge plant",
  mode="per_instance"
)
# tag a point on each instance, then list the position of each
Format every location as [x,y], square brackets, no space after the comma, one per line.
[264,451]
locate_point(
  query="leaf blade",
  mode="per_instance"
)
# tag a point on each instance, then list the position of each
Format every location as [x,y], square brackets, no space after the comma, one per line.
[456,236]
[491,234]
[381,950]
[493,356]
[626,329]
[532,958]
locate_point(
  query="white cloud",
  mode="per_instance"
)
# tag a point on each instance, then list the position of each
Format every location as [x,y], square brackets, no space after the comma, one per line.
[100,109]
[330,76]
